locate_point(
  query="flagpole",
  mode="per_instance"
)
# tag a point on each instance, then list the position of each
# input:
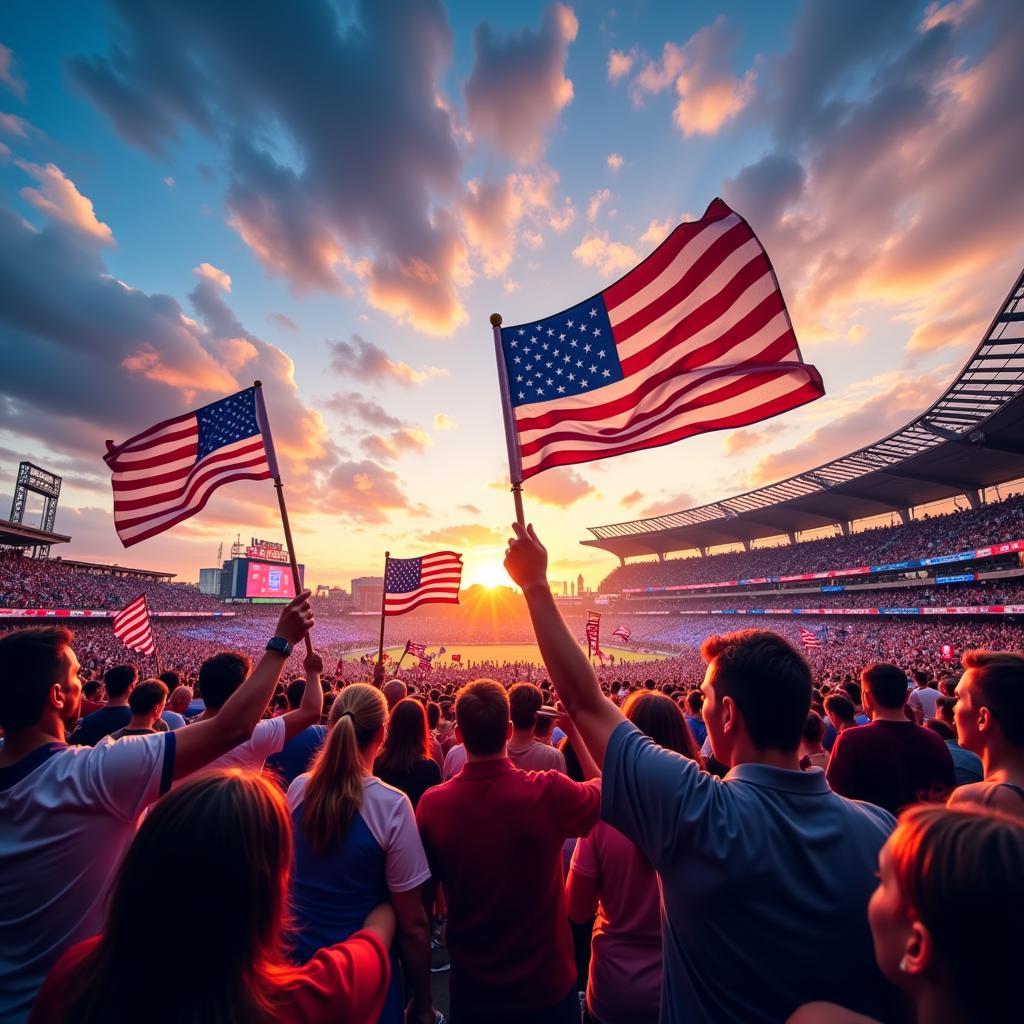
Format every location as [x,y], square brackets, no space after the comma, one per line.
[515,462]
[378,669]
[268,444]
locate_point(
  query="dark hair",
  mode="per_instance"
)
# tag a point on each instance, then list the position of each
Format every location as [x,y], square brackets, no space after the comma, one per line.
[482,715]
[814,727]
[944,730]
[695,702]
[433,713]
[220,676]
[524,701]
[657,715]
[120,679]
[852,690]
[296,688]
[408,740]
[90,688]
[573,768]
[31,662]
[768,680]
[944,709]
[887,685]
[1000,678]
[171,678]
[147,695]
[842,707]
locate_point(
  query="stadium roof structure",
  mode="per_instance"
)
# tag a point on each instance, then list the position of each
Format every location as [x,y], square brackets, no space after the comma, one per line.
[972,437]
[18,535]
[110,569]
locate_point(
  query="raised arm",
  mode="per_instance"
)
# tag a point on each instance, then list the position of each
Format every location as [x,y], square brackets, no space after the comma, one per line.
[312,704]
[595,716]
[198,744]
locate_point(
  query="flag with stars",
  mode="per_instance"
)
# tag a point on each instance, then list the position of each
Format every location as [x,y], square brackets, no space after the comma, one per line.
[696,338]
[168,473]
[431,579]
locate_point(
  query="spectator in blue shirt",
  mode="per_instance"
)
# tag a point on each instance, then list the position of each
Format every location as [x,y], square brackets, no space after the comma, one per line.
[296,756]
[694,704]
[759,872]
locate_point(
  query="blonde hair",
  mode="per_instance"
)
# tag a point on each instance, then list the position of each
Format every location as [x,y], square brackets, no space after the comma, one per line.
[334,791]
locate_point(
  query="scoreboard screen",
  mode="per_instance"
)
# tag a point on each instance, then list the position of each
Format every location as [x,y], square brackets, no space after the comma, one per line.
[269,579]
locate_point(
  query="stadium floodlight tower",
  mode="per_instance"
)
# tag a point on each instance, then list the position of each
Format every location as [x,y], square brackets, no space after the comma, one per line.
[32,479]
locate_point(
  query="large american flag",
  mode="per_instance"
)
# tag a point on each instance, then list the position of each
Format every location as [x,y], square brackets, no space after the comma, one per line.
[430,579]
[133,627]
[168,473]
[811,641]
[624,632]
[416,650]
[696,338]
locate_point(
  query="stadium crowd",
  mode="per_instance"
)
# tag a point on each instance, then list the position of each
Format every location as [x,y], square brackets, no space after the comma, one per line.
[675,840]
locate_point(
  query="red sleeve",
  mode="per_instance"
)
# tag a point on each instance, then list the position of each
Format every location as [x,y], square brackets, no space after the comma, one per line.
[346,982]
[577,804]
[51,1005]
[839,770]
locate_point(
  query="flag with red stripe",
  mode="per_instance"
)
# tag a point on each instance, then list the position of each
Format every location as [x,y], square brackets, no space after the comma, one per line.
[430,579]
[811,641]
[169,472]
[695,338]
[133,627]
[593,632]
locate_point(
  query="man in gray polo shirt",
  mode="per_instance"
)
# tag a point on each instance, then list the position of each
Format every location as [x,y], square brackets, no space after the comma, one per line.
[762,872]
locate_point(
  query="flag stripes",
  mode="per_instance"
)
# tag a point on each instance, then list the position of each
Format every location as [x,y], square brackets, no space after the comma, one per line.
[430,579]
[133,627]
[811,641]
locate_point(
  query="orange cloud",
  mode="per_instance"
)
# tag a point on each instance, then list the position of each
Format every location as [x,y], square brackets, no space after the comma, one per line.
[58,198]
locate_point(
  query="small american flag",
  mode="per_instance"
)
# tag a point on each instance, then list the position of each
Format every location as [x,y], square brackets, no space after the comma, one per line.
[132,626]
[594,631]
[426,664]
[695,338]
[416,650]
[168,473]
[809,639]
[430,579]
[624,632]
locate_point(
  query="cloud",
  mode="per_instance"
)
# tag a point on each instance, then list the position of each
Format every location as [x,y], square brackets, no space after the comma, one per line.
[597,200]
[365,409]
[469,509]
[58,198]
[614,162]
[329,189]
[363,360]
[709,95]
[442,421]
[517,86]
[8,76]
[11,124]
[657,231]
[560,487]
[619,64]
[599,251]
[404,441]
[211,273]
[467,535]
[633,498]
[283,321]
[669,504]
[738,442]
[364,492]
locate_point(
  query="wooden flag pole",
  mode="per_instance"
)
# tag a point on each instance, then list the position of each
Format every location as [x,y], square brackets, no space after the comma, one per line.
[268,444]
[378,669]
[515,470]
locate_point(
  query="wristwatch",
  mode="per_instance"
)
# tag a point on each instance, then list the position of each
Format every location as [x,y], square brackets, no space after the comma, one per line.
[279,645]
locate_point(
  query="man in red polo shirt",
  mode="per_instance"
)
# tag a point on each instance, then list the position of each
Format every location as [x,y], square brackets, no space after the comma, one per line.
[493,835]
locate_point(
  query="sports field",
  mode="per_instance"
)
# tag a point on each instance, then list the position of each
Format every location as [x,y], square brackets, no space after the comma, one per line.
[497,653]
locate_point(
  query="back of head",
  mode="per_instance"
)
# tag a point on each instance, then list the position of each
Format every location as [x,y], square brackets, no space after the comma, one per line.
[852,690]
[394,691]
[694,703]
[945,708]
[842,707]
[941,728]
[91,689]
[180,698]
[482,715]
[220,676]
[171,678]
[408,738]
[769,682]
[887,685]
[814,728]
[959,873]
[233,830]
[334,790]
[148,695]
[524,701]
[433,714]
[31,662]
[119,680]
[657,715]
[1000,679]
[296,688]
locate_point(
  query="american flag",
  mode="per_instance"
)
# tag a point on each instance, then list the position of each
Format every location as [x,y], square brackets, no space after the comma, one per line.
[695,338]
[431,579]
[426,664]
[594,631]
[809,639]
[132,626]
[168,472]
[623,631]
[416,650]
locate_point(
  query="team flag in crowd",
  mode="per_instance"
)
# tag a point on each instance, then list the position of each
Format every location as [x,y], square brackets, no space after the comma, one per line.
[430,579]
[624,632]
[456,657]
[696,338]
[133,627]
[426,664]
[168,473]
[416,650]
[593,632]
[810,639]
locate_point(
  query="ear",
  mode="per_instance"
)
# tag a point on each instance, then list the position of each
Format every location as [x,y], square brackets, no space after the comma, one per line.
[985,719]
[919,952]
[730,715]
[57,698]
[458,733]
[509,731]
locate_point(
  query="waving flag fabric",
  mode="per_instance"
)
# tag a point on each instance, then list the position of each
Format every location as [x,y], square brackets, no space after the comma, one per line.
[696,338]
[168,473]
[416,650]
[624,632]
[811,641]
[594,631]
[431,579]
[133,627]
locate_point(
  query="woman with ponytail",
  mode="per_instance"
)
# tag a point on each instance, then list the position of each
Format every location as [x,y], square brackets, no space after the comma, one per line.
[356,844]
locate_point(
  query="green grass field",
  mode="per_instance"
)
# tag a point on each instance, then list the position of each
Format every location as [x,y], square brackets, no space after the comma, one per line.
[498,653]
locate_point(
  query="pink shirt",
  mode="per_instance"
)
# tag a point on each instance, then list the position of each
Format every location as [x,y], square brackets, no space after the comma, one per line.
[625,962]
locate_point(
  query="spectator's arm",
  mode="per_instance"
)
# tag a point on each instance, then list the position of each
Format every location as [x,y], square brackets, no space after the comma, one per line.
[595,716]
[312,704]
[200,743]
[414,943]
[581,894]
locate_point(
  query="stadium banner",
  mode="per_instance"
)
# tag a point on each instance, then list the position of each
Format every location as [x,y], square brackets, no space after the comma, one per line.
[99,613]
[859,570]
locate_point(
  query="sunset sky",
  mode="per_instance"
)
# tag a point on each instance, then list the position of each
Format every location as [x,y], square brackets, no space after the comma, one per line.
[333,197]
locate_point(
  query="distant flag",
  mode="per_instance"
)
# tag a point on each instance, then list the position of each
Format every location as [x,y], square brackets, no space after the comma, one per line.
[810,640]
[169,472]
[425,664]
[593,632]
[624,632]
[415,650]
[456,657]
[431,579]
[440,650]
[133,627]
[696,338]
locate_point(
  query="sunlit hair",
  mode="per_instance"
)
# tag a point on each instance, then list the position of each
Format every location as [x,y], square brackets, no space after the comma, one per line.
[1000,678]
[232,829]
[959,873]
[408,740]
[657,715]
[334,791]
